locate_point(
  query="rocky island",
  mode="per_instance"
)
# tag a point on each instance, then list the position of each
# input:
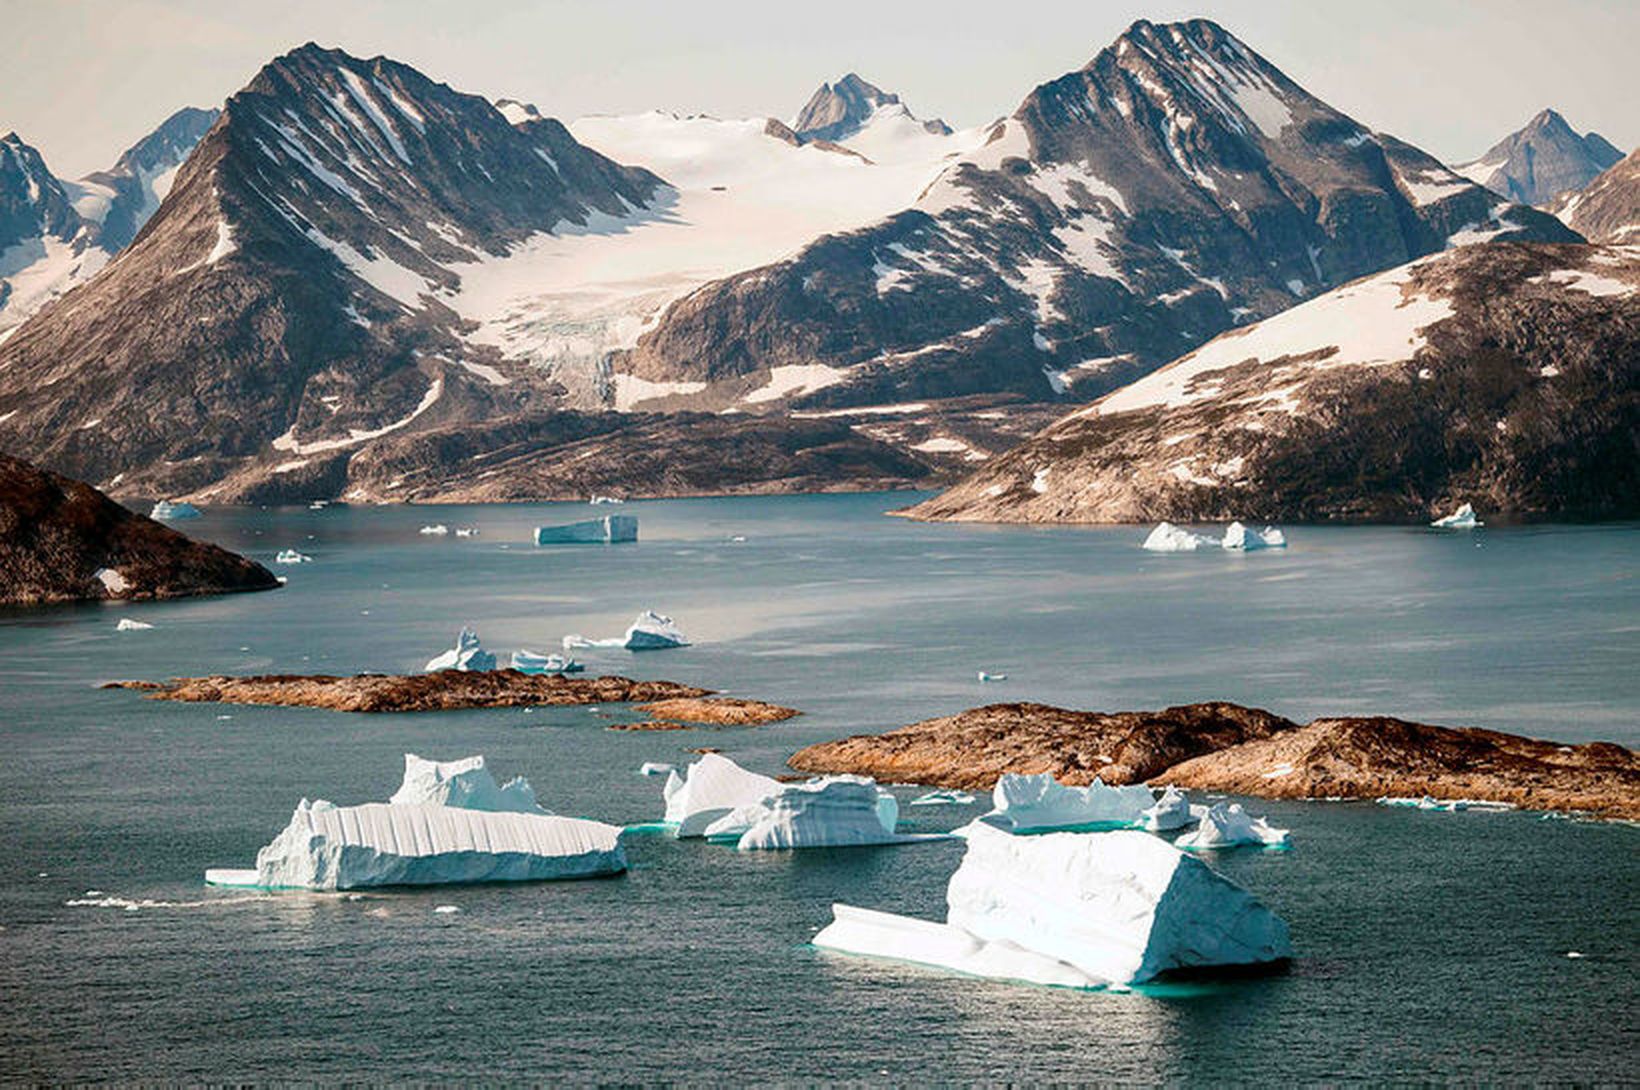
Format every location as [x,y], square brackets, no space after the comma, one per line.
[1225,747]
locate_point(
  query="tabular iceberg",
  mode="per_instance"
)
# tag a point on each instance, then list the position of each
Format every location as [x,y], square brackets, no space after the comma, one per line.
[466,784]
[656,768]
[165,510]
[1172,811]
[1168,538]
[1239,538]
[1227,825]
[1461,519]
[128,625]
[291,556]
[828,812]
[985,678]
[328,847]
[1038,802]
[467,654]
[528,662]
[650,632]
[609,530]
[709,789]
[1075,909]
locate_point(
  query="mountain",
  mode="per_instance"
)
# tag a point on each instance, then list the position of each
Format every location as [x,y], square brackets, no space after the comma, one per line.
[1542,161]
[1608,209]
[837,111]
[1175,187]
[55,234]
[62,540]
[1506,376]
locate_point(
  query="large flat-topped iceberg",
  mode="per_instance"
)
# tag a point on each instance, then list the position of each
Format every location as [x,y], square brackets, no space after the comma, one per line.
[1227,825]
[467,654]
[1076,909]
[709,789]
[1038,802]
[465,783]
[327,847]
[829,812]
[609,530]
[650,632]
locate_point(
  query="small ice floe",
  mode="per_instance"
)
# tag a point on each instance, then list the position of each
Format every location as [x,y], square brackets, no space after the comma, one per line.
[650,632]
[318,505]
[1168,538]
[737,539]
[436,530]
[709,789]
[291,556]
[1450,806]
[464,783]
[1576,954]
[609,530]
[825,812]
[128,625]
[1227,825]
[656,768]
[943,798]
[1073,910]
[599,501]
[1461,519]
[528,662]
[1035,803]
[446,910]
[466,531]
[1240,539]
[985,677]
[467,654]
[1171,811]
[171,511]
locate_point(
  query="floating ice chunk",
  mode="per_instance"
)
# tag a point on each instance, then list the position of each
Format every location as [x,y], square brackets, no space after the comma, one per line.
[467,654]
[168,511]
[1461,519]
[598,501]
[466,784]
[128,625]
[709,789]
[985,677]
[650,632]
[656,768]
[1240,538]
[438,530]
[528,662]
[943,798]
[827,812]
[350,847]
[1429,802]
[1168,538]
[466,531]
[291,556]
[446,910]
[1172,811]
[609,530]
[1030,803]
[1227,825]
[1114,908]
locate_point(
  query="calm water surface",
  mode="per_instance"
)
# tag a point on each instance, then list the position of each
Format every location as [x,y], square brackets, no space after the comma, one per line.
[1430,945]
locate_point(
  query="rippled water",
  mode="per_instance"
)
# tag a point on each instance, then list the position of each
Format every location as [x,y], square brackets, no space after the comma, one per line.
[1430,945]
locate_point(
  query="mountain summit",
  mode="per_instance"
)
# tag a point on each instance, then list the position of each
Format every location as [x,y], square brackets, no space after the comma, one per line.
[1542,161]
[836,111]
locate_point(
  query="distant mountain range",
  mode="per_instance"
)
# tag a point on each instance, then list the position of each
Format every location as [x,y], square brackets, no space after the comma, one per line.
[1542,161]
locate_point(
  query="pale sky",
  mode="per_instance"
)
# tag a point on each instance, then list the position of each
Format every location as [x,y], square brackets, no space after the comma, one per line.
[85,78]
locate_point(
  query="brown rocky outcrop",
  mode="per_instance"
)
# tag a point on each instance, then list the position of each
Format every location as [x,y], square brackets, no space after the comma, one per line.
[449,690]
[719,711]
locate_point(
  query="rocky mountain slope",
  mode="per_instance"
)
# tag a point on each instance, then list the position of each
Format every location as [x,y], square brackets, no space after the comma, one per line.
[56,234]
[1178,185]
[1608,209]
[61,540]
[839,111]
[1507,376]
[1542,161]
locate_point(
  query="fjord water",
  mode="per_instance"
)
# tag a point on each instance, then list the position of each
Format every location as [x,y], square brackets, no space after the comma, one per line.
[1429,945]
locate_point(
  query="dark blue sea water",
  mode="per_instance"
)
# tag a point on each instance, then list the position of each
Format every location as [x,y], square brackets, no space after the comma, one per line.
[1430,945]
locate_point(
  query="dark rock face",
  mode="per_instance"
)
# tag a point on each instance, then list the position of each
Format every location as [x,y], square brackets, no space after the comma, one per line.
[1542,161]
[837,110]
[56,535]
[131,182]
[1177,186]
[1507,376]
[32,200]
[1609,209]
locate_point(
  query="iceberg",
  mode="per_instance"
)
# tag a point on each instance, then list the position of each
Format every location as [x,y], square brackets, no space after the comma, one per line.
[709,789]
[1461,519]
[329,847]
[291,556]
[438,530]
[1168,538]
[1172,811]
[128,625]
[656,768]
[599,501]
[1239,538]
[466,531]
[650,632]
[944,798]
[985,678]
[1451,806]
[528,662]
[1038,802]
[1076,910]
[609,530]
[466,784]
[1227,825]
[467,654]
[826,812]
[168,511]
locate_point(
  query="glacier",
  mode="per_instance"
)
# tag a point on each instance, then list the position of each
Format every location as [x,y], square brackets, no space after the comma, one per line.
[465,783]
[709,789]
[169,511]
[1461,519]
[1227,825]
[650,632]
[1168,538]
[1031,803]
[1076,910]
[1239,538]
[467,654]
[609,530]
[528,662]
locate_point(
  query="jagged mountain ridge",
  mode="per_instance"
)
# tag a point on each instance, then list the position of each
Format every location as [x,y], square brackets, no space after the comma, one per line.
[837,111]
[1175,186]
[1542,161]
[1608,209]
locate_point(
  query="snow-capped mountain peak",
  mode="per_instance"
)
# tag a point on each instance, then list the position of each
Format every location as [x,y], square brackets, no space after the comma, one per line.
[1542,161]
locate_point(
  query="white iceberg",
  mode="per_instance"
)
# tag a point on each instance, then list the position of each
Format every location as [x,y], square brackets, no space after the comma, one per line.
[1074,909]
[467,654]
[438,530]
[128,625]
[827,812]
[1172,811]
[528,662]
[609,530]
[330,847]
[465,783]
[1461,519]
[466,531]
[1239,538]
[1429,802]
[985,678]
[1168,538]
[599,501]
[650,632]
[708,789]
[1227,825]
[168,511]
[291,556]
[943,798]
[656,768]
[1032,803]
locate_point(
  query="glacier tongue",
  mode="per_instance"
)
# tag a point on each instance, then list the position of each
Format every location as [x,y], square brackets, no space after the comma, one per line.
[465,783]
